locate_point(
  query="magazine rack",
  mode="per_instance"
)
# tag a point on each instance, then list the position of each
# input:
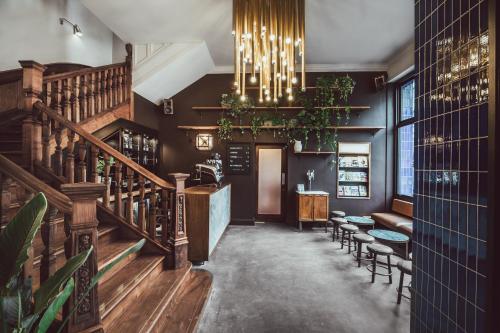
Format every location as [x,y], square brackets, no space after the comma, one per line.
[354,170]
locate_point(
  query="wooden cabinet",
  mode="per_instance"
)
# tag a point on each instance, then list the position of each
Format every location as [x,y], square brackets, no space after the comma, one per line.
[312,206]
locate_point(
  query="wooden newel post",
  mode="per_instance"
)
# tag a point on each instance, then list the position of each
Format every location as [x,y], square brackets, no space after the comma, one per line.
[81,228]
[32,128]
[178,240]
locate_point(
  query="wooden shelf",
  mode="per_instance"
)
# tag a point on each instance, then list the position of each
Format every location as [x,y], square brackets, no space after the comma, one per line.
[372,129]
[314,153]
[289,108]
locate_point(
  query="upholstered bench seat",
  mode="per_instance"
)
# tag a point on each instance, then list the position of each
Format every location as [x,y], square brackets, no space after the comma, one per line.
[395,221]
[400,219]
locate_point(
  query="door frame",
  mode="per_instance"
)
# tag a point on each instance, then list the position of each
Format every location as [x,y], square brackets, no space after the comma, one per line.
[284,186]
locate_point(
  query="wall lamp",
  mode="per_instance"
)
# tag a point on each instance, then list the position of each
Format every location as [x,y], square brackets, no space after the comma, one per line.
[204,141]
[76,29]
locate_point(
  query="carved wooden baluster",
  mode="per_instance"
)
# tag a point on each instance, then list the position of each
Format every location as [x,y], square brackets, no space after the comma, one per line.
[141,211]
[82,164]
[120,84]
[114,86]
[67,99]
[107,181]
[98,93]
[84,93]
[105,88]
[118,188]
[48,232]
[46,132]
[164,221]
[58,155]
[111,88]
[152,212]
[58,97]
[76,99]
[124,83]
[92,94]
[48,92]
[70,158]
[130,196]
[6,199]
[94,161]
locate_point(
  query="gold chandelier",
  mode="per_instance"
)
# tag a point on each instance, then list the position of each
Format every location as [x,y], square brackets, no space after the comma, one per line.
[269,45]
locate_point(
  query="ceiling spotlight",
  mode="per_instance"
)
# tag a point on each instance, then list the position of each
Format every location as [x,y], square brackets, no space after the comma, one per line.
[76,29]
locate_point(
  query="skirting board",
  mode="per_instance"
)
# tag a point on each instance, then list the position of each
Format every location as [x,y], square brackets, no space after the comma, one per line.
[250,222]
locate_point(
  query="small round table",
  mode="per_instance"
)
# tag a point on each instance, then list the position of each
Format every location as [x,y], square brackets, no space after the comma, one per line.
[360,221]
[390,237]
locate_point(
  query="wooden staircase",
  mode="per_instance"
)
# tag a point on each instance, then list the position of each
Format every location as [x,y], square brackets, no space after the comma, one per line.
[155,290]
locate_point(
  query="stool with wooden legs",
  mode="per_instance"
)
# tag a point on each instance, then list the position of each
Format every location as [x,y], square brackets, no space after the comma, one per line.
[404,267]
[349,230]
[361,239]
[337,222]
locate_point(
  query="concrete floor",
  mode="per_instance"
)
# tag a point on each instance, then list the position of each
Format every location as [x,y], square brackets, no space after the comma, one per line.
[271,278]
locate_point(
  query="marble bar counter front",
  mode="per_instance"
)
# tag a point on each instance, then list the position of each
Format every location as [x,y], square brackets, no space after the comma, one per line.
[208,213]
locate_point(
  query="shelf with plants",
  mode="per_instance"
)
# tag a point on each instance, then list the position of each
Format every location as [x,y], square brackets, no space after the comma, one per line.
[311,152]
[284,108]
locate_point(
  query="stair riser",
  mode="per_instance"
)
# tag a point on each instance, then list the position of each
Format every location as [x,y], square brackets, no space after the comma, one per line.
[133,296]
[109,237]
[118,266]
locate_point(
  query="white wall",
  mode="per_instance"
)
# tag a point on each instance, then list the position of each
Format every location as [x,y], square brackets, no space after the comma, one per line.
[119,51]
[30,30]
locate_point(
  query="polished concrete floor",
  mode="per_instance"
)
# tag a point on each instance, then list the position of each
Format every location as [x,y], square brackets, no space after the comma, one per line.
[271,278]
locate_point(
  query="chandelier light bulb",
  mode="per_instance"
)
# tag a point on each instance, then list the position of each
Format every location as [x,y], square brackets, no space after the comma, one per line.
[290,98]
[274,57]
[275,100]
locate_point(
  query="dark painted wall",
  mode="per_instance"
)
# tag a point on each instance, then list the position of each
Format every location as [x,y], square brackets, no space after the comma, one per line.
[450,202]
[179,153]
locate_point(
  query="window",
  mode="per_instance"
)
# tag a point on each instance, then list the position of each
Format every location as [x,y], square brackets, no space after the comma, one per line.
[405,134]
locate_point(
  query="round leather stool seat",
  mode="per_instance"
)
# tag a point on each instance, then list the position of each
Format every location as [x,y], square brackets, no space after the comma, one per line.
[363,238]
[379,249]
[349,228]
[339,220]
[338,213]
[405,266]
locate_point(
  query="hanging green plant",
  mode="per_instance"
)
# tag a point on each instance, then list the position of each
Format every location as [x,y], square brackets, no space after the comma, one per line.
[236,107]
[225,131]
[256,125]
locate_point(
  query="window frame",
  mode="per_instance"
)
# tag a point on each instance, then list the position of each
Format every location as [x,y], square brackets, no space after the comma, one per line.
[399,124]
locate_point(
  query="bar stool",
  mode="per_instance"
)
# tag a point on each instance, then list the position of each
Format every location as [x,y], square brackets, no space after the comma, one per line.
[383,250]
[337,222]
[404,267]
[350,230]
[337,213]
[361,239]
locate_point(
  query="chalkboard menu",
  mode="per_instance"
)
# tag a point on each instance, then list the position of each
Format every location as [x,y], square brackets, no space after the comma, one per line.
[238,158]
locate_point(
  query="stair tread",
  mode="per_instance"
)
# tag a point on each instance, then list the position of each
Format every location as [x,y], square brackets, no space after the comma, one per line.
[184,311]
[109,251]
[151,303]
[117,287]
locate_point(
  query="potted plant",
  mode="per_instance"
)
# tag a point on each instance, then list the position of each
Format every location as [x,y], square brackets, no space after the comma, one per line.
[225,129]
[20,310]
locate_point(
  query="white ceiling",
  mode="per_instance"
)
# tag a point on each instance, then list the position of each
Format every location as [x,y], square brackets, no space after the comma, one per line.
[345,33]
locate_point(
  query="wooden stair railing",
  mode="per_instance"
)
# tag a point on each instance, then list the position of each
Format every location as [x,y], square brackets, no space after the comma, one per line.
[78,204]
[160,213]
[82,94]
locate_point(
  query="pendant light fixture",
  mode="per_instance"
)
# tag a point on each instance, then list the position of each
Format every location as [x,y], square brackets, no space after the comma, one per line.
[269,45]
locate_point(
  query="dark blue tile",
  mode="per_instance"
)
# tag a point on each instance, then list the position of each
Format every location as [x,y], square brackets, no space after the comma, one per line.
[483,189]
[482,223]
[471,286]
[474,122]
[481,257]
[472,253]
[473,154]
[472,221]
[483,120]
[483,155]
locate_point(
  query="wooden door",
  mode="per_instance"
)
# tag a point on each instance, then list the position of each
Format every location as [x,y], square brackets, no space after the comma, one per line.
[271,182]
[306,208]
[321,208]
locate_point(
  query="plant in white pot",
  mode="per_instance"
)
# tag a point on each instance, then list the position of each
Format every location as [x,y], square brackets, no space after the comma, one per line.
[297,146]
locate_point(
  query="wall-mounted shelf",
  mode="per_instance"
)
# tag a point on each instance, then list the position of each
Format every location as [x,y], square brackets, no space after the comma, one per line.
[284,108]
[353,184]
[372,129]
[314,153]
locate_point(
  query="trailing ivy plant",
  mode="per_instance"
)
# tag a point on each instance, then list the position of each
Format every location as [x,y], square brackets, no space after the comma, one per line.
[256,125]
[225,131]
[235,106]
